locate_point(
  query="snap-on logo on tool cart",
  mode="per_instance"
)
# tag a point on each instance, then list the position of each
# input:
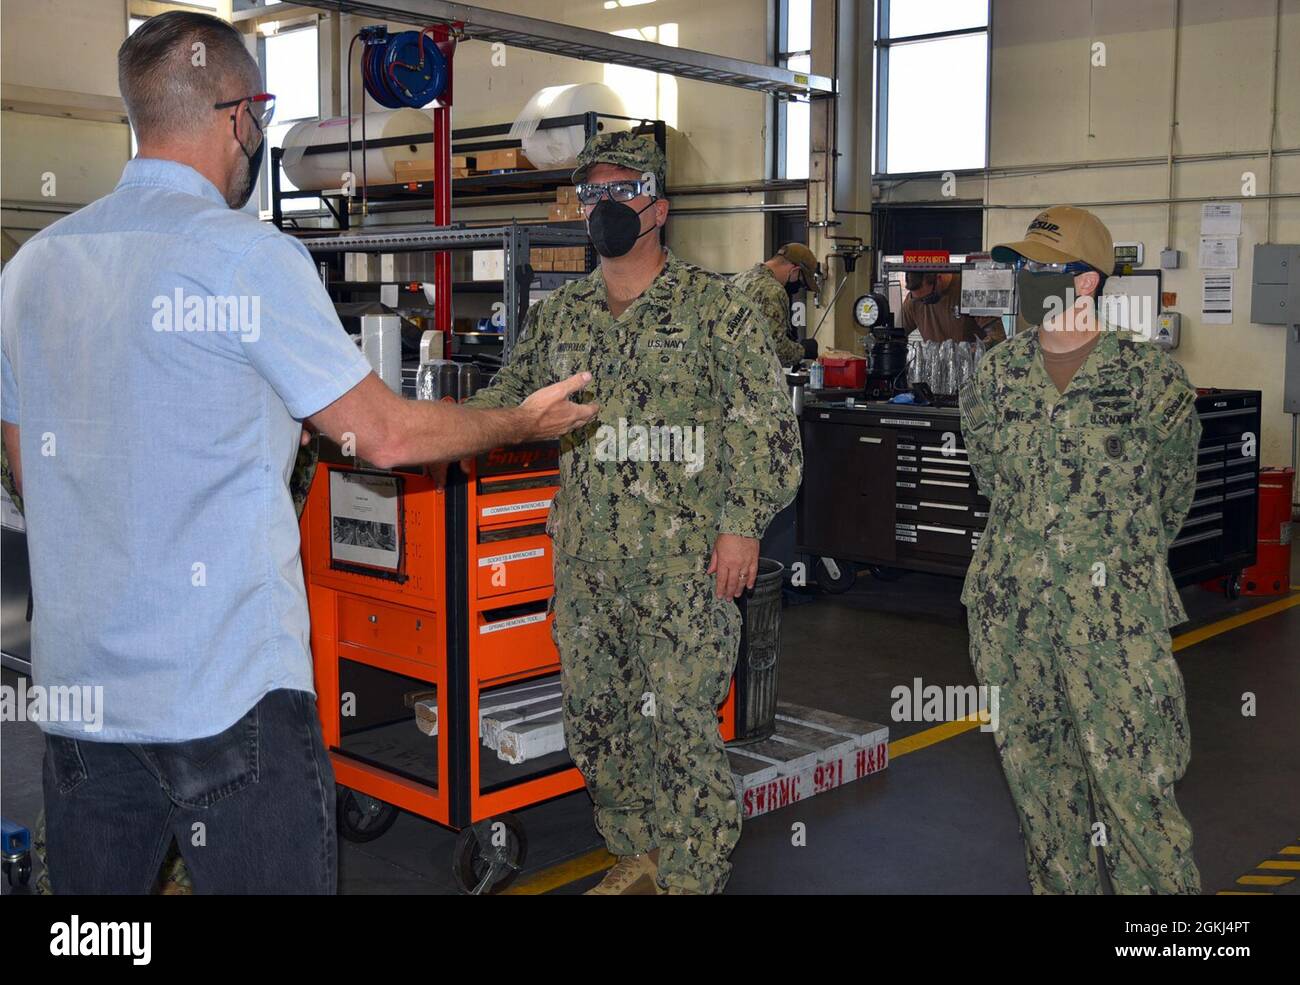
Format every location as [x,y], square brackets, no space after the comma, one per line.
[524,458]
[536,504]
[487,562]
[515,623]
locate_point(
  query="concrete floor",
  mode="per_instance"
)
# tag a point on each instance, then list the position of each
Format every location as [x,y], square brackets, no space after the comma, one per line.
[939,820]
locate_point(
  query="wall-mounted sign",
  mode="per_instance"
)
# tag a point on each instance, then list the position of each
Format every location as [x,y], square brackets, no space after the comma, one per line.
[926,256]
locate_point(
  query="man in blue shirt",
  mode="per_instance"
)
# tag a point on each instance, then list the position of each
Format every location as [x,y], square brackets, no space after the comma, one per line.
[161,350]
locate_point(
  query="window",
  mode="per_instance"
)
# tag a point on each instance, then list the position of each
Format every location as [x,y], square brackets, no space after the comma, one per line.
[794,51]
[291,64]
[645,93]
[931,85]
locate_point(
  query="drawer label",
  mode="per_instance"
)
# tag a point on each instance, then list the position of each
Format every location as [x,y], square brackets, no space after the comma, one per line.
[536,504]
[515,623]
[487,562]
[905,421]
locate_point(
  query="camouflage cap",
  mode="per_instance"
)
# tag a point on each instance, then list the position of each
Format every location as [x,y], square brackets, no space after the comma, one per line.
[626,149]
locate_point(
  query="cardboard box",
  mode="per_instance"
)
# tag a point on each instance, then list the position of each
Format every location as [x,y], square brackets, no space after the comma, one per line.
[408,172]
[566,193]
[564,212]
[505,159]
[462,161]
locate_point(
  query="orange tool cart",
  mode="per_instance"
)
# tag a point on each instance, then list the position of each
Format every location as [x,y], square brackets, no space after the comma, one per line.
[441,595]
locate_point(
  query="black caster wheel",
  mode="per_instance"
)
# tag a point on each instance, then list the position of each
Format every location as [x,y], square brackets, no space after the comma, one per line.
[882,573]
[362,818]
[18,872]
[1232,586]
[835,576]
[489,855]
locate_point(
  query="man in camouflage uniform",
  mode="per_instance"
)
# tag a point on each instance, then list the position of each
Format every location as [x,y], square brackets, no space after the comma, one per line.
[694,450]
[1069,595]
[770,285]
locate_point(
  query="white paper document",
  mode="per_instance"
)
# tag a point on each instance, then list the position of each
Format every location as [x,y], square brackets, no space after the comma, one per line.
[364,519]
[1216,299]
[1221,219]
[1218,252]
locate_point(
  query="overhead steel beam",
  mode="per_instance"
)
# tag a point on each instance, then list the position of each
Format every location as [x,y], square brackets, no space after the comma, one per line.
[534,34]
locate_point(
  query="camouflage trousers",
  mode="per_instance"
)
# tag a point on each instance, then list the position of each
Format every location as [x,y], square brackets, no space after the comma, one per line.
[1092,739]
[647,652]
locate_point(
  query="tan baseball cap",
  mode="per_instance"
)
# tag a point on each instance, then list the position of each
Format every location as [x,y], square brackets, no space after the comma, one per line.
[1063,234]
[803,258]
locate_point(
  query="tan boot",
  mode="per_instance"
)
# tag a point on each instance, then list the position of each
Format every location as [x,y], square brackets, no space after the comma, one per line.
[632,875]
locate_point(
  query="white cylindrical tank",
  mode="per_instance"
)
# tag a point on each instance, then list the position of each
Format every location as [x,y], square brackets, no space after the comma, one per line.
[559,147]
[312,172]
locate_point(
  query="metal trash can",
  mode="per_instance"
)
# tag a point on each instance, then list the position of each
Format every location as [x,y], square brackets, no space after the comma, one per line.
[760,643]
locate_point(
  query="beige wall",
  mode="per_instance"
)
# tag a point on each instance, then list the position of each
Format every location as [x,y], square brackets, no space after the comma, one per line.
[1049,105]
[61,53]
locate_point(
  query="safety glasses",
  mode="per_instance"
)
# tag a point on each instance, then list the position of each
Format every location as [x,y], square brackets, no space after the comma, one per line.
[618,191]
[1037,267]
[260,107]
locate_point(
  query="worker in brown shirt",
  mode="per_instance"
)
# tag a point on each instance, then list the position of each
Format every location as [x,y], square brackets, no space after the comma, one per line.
[931,308]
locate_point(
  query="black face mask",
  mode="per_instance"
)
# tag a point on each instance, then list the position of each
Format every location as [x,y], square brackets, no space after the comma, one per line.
[931,298]
[1043,294]
[254,168]
[615,227]
[793,287]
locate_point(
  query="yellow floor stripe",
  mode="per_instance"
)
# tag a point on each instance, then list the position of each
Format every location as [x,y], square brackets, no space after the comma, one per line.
[1192,637]
[1239,892]
[1290,850]
[1265,880]
[562,874]
[1282,866]
[948,730]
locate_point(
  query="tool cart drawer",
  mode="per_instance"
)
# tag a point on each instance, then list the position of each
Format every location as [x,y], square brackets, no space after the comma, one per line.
[388,628]
[936,538]
[512,559]
[913,509]
[513,640]
[514,500]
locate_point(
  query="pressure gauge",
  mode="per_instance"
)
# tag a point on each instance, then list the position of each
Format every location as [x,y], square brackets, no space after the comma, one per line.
[868,309]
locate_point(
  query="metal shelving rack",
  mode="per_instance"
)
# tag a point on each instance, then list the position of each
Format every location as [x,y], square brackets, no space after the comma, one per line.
[519,31]
[515,239]
[528,185]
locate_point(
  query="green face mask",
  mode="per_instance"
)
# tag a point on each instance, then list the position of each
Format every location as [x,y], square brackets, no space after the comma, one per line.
[1043,294]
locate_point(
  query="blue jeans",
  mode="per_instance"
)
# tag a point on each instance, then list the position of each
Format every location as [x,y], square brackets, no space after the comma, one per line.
[251,808]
